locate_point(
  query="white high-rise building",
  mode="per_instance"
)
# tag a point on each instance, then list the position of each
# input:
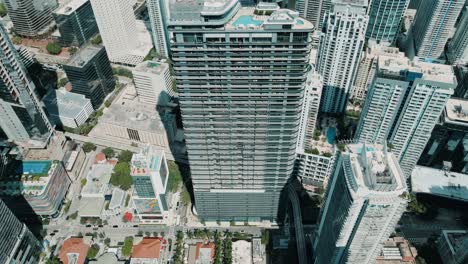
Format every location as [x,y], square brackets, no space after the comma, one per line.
[404,104]
[124,37]
[364,201]
[314,160]
[340,48]
[159,13]
[458,46]
[310,109]
[153,82]
[367,67]
[313,10]
[433,25]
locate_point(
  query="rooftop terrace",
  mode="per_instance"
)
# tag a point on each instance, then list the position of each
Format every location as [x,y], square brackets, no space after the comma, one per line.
[30,177]
[152,67]
[84,55]
[430,71]
[374,169]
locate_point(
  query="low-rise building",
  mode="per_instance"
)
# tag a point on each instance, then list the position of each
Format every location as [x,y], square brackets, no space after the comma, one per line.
[74,161]
[148,251]
[153,82]
[74,251]
[67,109]
[397,250]
[440,182]
[94,191]
[134,122]
[453,246]
[201,253]
[107,258]
[241,252]
[43,184]
[150,175]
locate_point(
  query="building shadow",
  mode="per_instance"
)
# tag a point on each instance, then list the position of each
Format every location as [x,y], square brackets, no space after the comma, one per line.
[11,183]
[168,109]
[297,224]
[43,79]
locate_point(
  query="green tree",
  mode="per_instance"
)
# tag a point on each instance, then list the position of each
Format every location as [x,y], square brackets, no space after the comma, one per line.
[3,10]
[17,40]
[125,156]
[93,251]
[175,177]
[314,151]
[72,50]
[96,40]
[122,72]
[185,197]
[121,176]
[62,82]
[265,237]
[53,48]
[107,241]
[127,246]
[109,152]
[54,260]
[67,206]
[88,147]
[74,215]
[83,182]
[415,206]
[107,103]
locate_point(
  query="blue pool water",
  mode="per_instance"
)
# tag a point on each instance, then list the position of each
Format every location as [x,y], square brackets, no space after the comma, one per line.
[155,163]
[331,134]
[299,22]
[34,167]
[245,20]
[369,149]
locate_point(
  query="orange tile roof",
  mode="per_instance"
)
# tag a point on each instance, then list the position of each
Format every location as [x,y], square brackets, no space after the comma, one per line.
[210,245]
[100,157]
[74,245]
[149,247]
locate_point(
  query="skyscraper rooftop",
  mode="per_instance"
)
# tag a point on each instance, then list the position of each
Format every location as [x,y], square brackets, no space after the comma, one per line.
[374,170]
[430,71]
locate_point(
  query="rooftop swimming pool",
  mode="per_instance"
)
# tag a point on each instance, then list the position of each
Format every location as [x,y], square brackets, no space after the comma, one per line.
[34,167]
[331,134]
[299,22]
[246,20]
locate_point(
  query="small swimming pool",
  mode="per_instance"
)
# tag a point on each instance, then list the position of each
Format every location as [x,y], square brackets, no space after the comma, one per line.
[246,20]
[34,167]
[299,22]
[331,134]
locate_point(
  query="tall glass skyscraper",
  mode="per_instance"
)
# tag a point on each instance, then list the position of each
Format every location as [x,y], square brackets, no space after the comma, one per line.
[241,74]
[433,25]
[385,17]
[30,17]
[22,118]
[158,14]
[403,105]
[17,244]
[76,22]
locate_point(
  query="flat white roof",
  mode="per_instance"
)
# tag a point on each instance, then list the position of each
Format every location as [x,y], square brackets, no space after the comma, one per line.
[456,111]
[440,182]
